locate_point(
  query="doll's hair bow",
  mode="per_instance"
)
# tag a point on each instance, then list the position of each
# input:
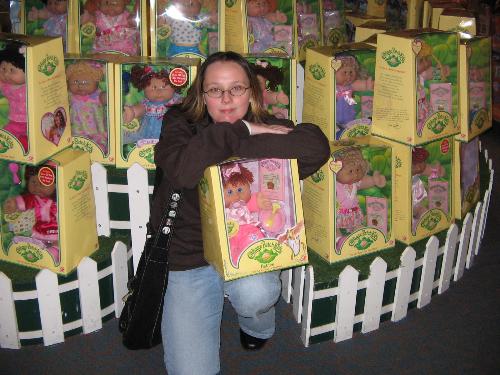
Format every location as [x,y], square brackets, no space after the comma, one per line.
[264,64]
[230,169]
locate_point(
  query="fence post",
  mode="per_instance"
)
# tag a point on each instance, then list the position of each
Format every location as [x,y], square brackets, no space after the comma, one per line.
[307,309]
[403,284]
[298,292]
[346,303]
[450,247]
[286,284]
[428,271]
[474,237]
[463,246]
[9,332]
[374,294]
[119,263]
[88,289]
[50,307]
[100,186]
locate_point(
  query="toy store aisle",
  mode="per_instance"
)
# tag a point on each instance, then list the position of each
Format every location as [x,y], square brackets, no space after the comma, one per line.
[457,333]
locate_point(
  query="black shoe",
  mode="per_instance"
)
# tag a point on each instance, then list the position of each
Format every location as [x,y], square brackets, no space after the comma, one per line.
[251,343]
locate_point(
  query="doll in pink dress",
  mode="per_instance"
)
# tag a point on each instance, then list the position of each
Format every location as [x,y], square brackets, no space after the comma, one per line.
[352,176]
[41,198]
[55,14]
[270,77]
[242,207]
[87,102]
[116,27]
[262,16]
[13,87]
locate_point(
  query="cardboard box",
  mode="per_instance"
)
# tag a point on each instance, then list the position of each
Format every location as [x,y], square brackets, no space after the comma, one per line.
[138,120]
[342,108]
[34,123]
[177,30]
[278,80]
[423,183]
[475,87]
[351,214]
[466,189]
[416,91]
[48,216]
[100,32]
[91,104]
[251,215]
[333,28]
[459,20]
[367,29]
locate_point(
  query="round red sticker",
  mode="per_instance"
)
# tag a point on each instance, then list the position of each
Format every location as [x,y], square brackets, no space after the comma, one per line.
[46,176]
[445,146]
[178,77]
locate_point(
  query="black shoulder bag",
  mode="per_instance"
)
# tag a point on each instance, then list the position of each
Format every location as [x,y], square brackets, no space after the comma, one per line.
[140,320]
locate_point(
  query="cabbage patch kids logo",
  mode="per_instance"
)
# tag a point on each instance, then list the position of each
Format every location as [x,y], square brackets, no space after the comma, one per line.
[230,3]
[48,65]
[29,253]
[438,122]
[480,119]
[363,240]
[431,220]
[148,154]
[393,57]
[78,180]
[82,144]
[265,252]
[318,176]
[317,71]
[5,143]
[358,131]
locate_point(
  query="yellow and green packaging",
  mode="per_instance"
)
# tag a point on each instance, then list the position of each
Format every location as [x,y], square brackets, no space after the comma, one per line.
[48,215]
[241,236]
[367,29]
[348,206]
[416,89]
[34,112]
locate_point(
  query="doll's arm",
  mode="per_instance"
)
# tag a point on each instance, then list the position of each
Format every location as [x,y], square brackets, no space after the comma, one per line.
[363,84]
[87,17]
[131,112]
[276,17]
[10,205]
[377,179]
[263,202]
[275,97]
[103,98]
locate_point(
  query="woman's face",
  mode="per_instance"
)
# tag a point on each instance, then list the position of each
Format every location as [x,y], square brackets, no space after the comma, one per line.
[224,75]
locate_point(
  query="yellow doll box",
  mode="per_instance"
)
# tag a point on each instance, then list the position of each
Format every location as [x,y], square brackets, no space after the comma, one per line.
[188,28]
[460,20]
[251,215]
[475,87]
[358,19]
[416,90]
[106,26]
[348,202]
[34,112]
[338,89]
[145,89]
[367,29]
[466,189]
[91,103]
[48,217]
[277,77]
[423,184]
[255,28]
[333,27]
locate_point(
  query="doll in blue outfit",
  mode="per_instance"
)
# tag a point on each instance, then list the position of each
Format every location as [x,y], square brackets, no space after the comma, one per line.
[159,96]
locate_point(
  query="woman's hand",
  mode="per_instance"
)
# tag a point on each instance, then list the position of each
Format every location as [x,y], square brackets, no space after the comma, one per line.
[257,128]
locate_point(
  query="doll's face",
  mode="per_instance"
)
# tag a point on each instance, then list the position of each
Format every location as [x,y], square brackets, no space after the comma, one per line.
[158,90]
[352,171]
[418,167]
[188,8]
[81,86]
[475,74]
[345,75]
[235,193]
[11,75]
[35,187]
[112,7]
[57,6]
[257,8]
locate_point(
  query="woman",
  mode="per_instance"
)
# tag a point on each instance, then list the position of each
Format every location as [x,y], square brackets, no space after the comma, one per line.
[222,116]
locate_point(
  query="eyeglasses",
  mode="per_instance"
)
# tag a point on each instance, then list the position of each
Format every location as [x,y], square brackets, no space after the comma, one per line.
[78,82]
[215,92]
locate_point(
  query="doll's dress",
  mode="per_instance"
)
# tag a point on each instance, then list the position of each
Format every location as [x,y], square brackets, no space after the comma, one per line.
[114,34]
[345,109]
[423,106]
[17,125]
[88,118]
[349,215]
[418,194]
[262,30]
[55,25]
[186,35]
[249,231]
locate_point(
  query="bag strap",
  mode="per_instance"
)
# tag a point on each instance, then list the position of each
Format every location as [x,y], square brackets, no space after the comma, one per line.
[165,230]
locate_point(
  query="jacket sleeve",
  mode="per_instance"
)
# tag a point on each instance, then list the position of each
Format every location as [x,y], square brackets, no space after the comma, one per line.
[183,153]
[306,143]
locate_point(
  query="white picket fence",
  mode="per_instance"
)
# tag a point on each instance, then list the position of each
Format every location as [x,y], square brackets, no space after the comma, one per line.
[298,284]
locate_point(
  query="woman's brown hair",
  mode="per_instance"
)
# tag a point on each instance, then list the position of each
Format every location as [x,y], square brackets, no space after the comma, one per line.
[194,105]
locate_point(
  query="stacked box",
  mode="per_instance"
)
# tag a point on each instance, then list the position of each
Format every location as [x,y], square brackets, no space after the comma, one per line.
[475,87]
[423,182]
[348,202]
[188,29]
[338,90]
[459,20]
[416,90]
[466,184]
[333,26]
[308,14]
[46,210]
[113,27]
[278,81]
[145,89]
[251,215]
[367,29]
[34,113]
[91,105]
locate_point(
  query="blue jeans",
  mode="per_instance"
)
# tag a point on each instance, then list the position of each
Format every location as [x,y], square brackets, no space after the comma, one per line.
[192,315]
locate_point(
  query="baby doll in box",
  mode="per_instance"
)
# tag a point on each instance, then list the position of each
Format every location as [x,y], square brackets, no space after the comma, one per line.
[55,17]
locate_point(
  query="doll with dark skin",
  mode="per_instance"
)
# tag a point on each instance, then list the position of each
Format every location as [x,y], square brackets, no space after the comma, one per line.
[351,177]
[42,199]
[55,14]
[13,87]
[270,77]
[159,96]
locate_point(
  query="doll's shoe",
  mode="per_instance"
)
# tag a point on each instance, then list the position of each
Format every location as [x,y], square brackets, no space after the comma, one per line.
[251,343]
